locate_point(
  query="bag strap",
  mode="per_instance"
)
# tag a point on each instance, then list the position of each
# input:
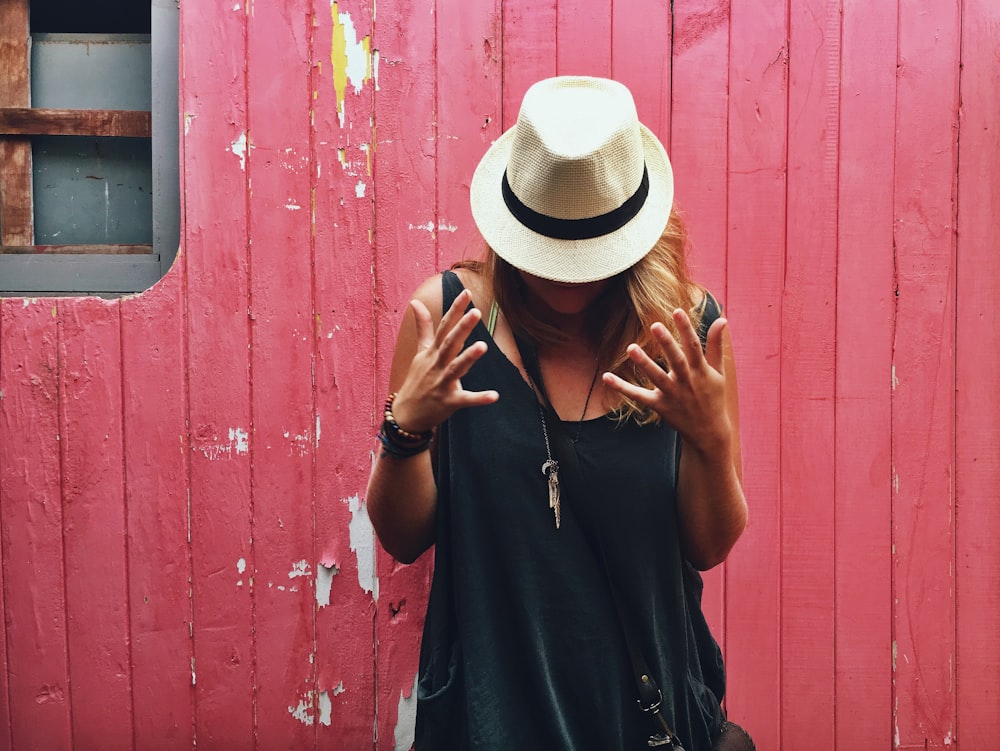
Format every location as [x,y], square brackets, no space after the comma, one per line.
[650,697]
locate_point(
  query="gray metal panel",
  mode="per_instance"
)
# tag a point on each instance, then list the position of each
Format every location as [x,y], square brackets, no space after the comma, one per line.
[92,191]
[165,18]
[83,274]
[91,71]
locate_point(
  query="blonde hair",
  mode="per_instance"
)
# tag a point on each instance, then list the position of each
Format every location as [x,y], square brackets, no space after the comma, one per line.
[647,292]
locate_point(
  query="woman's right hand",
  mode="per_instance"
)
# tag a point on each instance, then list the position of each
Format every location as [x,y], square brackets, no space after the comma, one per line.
[431,390]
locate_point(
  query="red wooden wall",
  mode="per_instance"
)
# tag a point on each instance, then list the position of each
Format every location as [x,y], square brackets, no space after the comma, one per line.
[186,556]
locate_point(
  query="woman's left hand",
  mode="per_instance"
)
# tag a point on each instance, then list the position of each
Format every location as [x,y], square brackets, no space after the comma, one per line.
[690,394]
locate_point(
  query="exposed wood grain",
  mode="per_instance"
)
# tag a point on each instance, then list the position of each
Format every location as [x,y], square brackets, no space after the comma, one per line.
[758,90]
[31,520]
[95,519]
[977,428]
[216,147]
[343,337]
[55,122]
[16,220]
[923,399]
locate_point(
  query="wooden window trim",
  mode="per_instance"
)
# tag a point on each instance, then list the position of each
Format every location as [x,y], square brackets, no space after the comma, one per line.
[19,121]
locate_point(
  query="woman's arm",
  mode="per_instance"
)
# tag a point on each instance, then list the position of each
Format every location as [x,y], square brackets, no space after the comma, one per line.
[697,396]
[427,365]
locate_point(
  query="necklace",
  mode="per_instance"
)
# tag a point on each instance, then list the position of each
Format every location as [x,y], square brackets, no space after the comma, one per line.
[550,468]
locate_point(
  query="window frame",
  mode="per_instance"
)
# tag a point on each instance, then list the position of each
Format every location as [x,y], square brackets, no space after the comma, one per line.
[27,269]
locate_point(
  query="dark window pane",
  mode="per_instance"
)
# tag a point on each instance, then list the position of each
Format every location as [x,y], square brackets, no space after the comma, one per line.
[90,17]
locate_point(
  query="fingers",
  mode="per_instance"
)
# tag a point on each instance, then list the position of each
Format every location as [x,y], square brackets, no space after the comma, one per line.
[714,347]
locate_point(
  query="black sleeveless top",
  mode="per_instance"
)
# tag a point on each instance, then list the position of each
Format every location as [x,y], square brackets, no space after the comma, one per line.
[522,647]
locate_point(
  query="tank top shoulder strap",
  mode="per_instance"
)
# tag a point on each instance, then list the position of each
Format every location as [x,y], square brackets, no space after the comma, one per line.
[708,313]
[451,287]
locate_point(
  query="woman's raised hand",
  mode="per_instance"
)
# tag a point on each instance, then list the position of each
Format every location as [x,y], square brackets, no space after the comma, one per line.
[690,394]
[432,388]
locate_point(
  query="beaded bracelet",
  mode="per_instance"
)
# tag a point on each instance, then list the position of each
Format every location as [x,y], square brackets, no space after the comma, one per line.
[397,441]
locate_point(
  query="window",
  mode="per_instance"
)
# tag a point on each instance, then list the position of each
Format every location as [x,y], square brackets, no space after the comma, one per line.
[89,173]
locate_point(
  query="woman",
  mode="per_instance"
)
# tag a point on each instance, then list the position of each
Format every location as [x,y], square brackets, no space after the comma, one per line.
[584,448]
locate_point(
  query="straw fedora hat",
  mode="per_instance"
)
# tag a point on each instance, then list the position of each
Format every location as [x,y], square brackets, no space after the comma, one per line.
[578,189]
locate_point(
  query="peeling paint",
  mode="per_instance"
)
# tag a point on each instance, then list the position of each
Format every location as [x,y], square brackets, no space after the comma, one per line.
[895,380]
[303,710]
[351,58]
[301,443]
[239,442]
[324,583]
[406,719]
[339,689]
[239,147]
[359,189]
[194,678]
[429,227]
[241,565]
[325,708]
[362,536]
[299,568]
[292,206]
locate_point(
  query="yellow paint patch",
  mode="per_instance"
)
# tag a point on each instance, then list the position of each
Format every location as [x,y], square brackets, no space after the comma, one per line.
[351,57]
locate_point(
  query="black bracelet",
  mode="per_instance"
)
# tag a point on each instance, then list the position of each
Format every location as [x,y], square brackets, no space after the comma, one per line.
[393,447]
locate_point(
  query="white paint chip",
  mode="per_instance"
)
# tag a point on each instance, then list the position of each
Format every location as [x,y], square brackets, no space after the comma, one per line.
[240,439]
[299,568]
[407,719]
[359,189]
[324,583]
[362,536]
[239,147]
[303,710]
[241,565]
[325,708]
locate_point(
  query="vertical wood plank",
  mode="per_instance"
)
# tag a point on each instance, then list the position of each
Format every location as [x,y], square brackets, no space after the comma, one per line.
[343,187]
[5,455]
[865,300]
[406,254]
[583,37]
[156,457]
[529,50]
[94,519]
[758,85]
[216,144]
[16,218]
[699,131]
[923,402]
[641,49]
[808,345]
[31,525]
[469,107]
[279,100]
[977,430]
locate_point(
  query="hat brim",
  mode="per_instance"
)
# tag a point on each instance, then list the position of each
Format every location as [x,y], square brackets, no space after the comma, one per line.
[573,261]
